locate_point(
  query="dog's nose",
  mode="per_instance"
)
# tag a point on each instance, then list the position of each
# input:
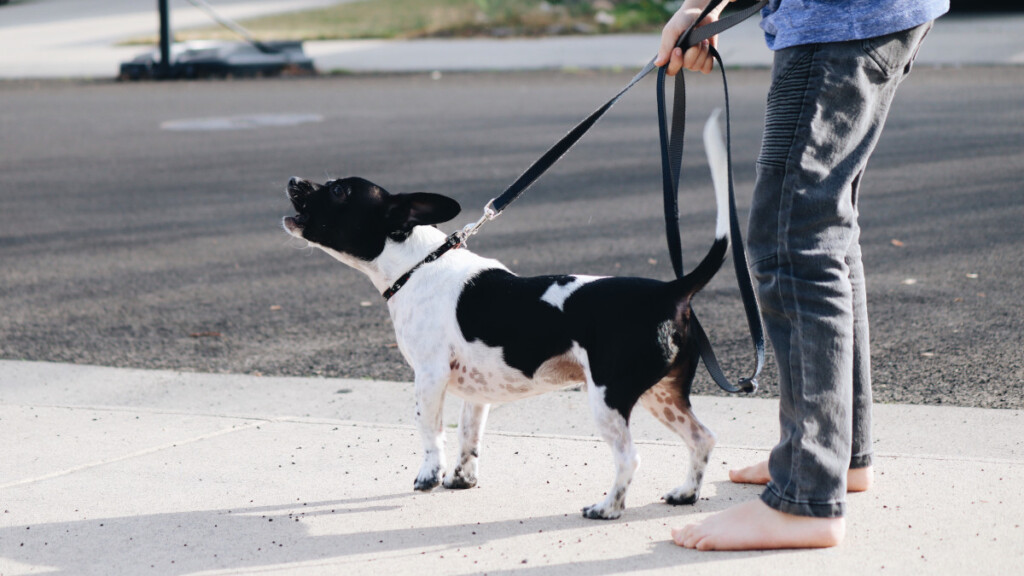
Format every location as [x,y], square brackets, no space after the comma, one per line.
[294,181]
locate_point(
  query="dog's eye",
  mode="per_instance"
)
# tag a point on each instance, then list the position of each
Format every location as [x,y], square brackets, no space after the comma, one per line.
[339,191]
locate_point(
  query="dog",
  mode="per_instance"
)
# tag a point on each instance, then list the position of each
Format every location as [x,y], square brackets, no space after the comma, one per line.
[468,325]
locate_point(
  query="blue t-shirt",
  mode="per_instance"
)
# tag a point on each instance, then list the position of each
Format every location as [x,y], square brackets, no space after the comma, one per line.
[793,22]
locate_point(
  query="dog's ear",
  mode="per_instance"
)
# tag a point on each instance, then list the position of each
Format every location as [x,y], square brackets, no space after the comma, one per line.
[405,211]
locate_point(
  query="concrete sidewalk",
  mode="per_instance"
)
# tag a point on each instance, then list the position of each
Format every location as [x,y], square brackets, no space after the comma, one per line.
[35,45]
[113,471]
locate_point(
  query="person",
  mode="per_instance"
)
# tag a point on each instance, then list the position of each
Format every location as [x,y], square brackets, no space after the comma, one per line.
[837,64]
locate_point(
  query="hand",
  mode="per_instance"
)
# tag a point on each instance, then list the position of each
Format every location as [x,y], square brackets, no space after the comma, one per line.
[697,58]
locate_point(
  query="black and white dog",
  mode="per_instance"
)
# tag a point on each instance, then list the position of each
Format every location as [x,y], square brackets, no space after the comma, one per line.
[469,326]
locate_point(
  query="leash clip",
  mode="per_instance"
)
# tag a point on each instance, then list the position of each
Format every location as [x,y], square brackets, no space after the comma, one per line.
[489,214]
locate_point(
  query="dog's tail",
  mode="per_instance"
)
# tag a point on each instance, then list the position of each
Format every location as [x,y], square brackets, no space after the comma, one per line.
[714,146]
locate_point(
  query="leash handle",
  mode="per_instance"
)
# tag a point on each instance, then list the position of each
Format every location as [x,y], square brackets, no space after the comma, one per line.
[671,162]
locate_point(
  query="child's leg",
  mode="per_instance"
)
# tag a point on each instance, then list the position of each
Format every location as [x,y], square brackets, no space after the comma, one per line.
[826,109]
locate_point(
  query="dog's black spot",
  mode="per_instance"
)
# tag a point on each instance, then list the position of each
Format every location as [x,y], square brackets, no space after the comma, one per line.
[624,324]
[503,310]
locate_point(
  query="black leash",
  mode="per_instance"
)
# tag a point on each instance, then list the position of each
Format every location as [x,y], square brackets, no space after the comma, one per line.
[671,167]
[672,149]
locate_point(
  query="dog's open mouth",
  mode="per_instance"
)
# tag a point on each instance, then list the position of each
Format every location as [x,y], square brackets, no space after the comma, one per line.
[299,190]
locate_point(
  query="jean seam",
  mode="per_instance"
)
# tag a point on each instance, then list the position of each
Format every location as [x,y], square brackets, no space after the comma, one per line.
[787,294]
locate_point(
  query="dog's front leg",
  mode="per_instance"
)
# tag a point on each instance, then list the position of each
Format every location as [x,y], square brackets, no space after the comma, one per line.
[429,411]
[615,430]
[471,430]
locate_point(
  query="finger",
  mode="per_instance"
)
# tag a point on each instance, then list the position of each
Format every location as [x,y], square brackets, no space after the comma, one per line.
[708,63]
[669,36]
[691,57]
[676,64]
[701,64]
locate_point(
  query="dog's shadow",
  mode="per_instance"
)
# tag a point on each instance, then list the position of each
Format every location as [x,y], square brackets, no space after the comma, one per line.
[248,538]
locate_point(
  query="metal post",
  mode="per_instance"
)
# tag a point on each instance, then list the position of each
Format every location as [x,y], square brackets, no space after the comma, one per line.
[164,68]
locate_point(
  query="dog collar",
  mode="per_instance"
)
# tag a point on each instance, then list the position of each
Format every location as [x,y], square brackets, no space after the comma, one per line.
[453,241]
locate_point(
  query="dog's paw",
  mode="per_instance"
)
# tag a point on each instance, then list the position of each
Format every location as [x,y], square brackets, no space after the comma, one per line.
[427,481]
[680,499]
[599,512]
[459,479]
[688,493]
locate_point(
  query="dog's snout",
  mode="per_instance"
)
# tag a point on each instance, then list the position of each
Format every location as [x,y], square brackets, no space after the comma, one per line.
[299,190]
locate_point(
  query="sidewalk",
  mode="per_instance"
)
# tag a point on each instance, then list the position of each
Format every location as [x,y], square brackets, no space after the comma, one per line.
[33,46]
[114,471]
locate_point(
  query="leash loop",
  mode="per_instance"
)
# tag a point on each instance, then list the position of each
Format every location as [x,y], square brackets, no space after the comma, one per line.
[671,167]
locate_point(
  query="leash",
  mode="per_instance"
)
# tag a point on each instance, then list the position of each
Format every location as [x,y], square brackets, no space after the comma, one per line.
[671,167]
[671,154]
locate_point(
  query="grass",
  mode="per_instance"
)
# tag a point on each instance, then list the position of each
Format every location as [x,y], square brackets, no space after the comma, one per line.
[449,18]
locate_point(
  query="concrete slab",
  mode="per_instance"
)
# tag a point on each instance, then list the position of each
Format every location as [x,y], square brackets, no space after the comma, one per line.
[160,481]
[739,422]
[311,497]
[44,442]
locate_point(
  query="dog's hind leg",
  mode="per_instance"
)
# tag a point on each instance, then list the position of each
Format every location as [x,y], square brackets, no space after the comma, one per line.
[614,428]
[429,411]
[669,402]
[471,431]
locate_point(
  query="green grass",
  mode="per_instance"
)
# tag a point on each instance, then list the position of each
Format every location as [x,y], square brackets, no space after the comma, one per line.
[447,18]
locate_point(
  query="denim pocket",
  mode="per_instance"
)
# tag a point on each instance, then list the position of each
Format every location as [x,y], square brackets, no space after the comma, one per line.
[896,52]
[890,52]
[880,51]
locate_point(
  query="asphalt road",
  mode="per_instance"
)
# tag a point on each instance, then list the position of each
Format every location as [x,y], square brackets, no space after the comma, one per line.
[125,244]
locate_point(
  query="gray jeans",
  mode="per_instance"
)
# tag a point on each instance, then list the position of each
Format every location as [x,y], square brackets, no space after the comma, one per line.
[825,112]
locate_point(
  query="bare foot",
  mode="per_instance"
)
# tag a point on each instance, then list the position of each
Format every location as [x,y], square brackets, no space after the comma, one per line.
[754,526]
[860,479]
[857,479]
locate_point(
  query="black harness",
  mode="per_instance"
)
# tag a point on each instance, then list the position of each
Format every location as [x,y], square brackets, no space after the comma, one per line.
[671,165]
